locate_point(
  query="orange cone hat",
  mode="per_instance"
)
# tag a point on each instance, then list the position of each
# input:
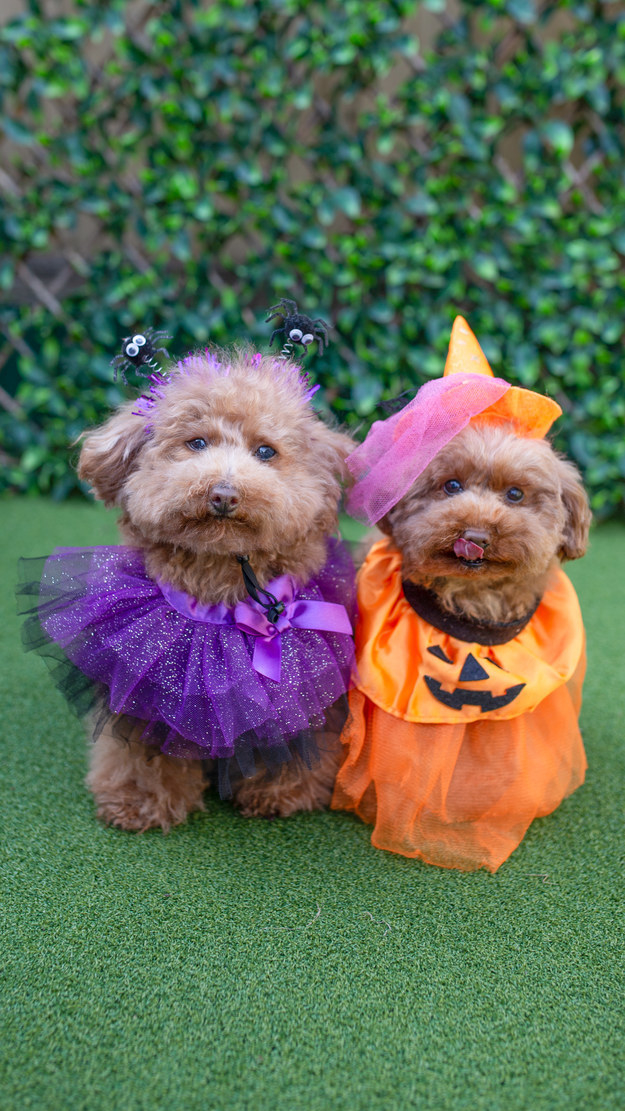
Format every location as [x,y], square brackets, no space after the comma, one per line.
[531,414]
[465,356]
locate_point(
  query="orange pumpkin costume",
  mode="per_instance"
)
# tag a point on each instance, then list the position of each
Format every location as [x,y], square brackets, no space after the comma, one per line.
[458,739]
[447,780]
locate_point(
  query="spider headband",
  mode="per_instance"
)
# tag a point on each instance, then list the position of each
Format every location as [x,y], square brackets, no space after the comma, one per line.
[396,451]
[141,352]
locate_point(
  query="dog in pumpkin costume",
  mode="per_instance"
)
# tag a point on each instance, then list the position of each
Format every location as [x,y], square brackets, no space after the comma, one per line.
[470,643]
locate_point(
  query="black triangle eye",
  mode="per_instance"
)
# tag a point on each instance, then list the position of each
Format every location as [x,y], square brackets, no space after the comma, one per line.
[437,651]
[472,671]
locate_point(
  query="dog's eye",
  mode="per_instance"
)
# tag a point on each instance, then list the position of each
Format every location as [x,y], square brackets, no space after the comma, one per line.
[514,494]
[264,452]
[452,486]
[197,445]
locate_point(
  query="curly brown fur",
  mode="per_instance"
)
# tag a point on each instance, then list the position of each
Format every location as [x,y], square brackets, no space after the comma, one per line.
[279,513]
[138,789]
[522,541]
[290,791]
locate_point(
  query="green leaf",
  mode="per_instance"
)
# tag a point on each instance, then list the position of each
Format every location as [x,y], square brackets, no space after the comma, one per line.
[486,267]
[16,131]
[348,201]
[524,11]
[560,136]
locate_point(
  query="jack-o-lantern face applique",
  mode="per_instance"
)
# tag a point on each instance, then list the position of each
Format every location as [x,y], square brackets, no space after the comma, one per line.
[472,671]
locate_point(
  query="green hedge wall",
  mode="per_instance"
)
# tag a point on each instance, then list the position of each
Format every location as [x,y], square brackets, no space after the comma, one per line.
[184,165]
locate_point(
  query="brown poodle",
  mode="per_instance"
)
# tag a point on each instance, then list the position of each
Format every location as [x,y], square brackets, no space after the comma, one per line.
[470,655]
[470,644]
[225,458]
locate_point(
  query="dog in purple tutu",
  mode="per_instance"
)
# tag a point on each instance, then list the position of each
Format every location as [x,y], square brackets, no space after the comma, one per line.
[217,640]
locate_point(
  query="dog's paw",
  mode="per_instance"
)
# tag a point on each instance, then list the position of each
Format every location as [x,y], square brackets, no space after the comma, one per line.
[136,812]
[259,807]
[289,793]
[136,790]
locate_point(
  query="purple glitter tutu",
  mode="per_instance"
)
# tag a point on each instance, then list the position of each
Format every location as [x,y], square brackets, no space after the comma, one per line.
[198,681]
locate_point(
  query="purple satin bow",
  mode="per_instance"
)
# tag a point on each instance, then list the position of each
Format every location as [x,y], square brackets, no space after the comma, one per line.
[297,614]
[250,618]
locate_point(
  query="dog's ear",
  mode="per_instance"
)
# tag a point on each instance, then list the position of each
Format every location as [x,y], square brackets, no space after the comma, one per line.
[333,446]
[110,452]
[578,517]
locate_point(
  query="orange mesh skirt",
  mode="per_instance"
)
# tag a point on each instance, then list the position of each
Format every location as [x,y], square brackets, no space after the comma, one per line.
[460,796]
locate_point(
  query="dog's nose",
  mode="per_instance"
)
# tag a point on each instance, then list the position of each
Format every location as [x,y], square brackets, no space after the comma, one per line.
[476,537]
[223,497]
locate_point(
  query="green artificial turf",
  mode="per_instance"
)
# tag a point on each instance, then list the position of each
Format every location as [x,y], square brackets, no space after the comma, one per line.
[288,965]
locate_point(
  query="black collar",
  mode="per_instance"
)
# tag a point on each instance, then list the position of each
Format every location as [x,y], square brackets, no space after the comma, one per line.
[425,603]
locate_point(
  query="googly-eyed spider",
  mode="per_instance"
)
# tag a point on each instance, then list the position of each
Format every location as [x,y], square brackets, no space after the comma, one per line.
[139,351]
[296,327]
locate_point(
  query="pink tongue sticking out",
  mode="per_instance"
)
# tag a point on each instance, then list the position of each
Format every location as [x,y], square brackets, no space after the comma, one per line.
[466,549]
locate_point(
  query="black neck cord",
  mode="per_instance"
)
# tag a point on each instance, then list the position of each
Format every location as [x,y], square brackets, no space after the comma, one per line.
[272,607]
